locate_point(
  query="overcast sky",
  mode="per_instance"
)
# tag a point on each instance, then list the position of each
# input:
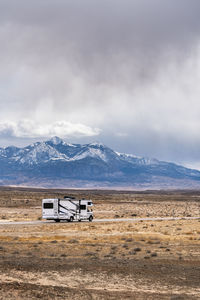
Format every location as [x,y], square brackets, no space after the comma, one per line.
[122,72]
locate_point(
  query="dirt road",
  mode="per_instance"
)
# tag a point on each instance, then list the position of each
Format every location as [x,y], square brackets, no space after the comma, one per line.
[100,220]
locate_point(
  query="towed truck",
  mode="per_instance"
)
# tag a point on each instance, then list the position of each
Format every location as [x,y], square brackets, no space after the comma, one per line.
[67,209]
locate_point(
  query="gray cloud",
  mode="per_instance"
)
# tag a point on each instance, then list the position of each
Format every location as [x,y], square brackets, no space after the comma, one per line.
[128,67]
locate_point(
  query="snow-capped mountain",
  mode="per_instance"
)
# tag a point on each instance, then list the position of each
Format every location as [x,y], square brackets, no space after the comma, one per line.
[137,159]
[56,149]
[57,163]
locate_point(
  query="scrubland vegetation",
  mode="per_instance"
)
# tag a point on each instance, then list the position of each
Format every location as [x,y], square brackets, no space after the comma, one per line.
[108,260]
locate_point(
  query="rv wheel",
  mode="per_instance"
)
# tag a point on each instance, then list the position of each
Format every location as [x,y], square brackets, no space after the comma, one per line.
[57,220]
[90,218]
[71,219]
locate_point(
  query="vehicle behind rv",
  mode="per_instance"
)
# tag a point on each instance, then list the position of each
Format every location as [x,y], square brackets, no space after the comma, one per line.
[68,208]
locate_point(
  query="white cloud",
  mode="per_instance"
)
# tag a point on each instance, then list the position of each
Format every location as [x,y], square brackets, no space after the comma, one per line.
[30,129]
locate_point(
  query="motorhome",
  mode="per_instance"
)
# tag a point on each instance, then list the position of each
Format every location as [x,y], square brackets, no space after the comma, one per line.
[68,208]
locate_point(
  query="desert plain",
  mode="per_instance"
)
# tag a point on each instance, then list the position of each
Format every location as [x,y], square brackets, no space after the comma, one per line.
[133,259]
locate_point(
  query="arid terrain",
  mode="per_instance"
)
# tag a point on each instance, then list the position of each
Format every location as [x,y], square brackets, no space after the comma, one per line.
[107,260]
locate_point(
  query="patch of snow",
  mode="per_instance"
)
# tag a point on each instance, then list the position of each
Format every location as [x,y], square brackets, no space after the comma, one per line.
[96,144]
[2,152]
[118,153]
[56,140]
[148,161]
[127,155]
[40,153]
[71,145]
[90,152]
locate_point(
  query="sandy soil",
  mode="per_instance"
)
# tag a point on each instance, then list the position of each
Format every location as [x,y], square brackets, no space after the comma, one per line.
[144,260]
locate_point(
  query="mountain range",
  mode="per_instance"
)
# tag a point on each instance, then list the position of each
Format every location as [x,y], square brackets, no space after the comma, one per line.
[55,163]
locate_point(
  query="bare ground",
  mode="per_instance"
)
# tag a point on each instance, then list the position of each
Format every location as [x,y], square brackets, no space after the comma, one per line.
[144,260]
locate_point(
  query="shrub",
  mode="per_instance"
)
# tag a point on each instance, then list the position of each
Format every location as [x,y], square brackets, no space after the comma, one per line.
[129,240]
[137,249]
[132,252]
[73,241]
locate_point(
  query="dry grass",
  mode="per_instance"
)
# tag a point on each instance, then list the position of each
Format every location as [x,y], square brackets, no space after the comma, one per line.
[108,260]
[25,204]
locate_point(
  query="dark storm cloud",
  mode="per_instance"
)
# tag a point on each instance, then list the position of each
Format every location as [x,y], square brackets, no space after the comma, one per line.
[126,70]
[107,30]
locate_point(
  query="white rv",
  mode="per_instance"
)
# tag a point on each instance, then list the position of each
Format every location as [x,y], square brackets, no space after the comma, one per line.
[68,209]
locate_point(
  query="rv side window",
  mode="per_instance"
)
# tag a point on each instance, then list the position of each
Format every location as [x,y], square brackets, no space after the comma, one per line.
[48,205]
[83,207]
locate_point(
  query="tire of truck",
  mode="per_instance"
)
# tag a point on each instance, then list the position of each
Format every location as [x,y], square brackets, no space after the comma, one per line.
[71,219]
[90,218]
[57,220]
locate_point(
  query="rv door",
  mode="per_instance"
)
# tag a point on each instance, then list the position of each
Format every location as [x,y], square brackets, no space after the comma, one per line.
[83,209]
